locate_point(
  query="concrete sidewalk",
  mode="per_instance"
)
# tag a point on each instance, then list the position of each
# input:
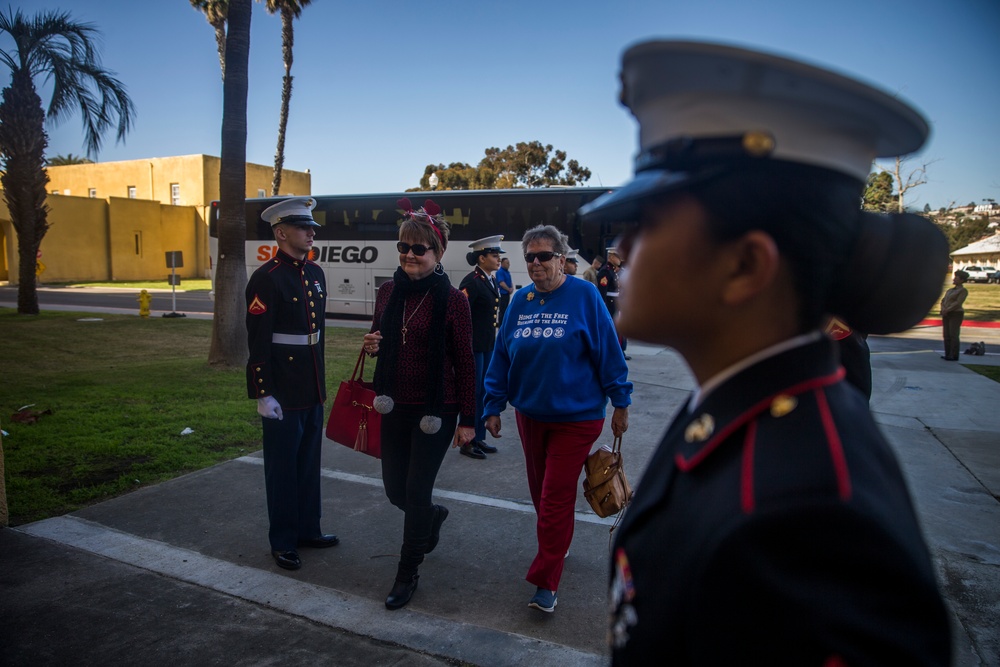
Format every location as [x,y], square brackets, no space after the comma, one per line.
[180,572]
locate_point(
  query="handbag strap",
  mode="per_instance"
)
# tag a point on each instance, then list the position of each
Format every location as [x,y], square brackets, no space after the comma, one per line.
[616,448]
[360,362]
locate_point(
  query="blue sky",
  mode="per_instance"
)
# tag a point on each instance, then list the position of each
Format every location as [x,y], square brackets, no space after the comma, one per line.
[385,87]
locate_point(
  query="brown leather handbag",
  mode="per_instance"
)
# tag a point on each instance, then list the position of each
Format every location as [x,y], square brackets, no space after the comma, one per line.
[604,485]
[353,423]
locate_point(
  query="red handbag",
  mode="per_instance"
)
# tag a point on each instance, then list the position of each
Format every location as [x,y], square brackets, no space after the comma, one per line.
[353,423]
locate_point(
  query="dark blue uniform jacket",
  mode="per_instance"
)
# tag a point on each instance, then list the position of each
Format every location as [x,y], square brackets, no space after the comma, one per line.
[286,296]
[484,301]
[773,527]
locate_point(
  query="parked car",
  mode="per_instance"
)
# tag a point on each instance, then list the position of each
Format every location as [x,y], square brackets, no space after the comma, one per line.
[994,278]
[980,274]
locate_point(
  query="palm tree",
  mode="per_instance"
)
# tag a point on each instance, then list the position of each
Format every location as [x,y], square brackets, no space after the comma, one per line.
[228,347]
[289,10]
[53,46]
[69,158]
[215,11]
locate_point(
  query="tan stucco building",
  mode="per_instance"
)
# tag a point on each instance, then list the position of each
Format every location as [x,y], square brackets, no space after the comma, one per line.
[117,220]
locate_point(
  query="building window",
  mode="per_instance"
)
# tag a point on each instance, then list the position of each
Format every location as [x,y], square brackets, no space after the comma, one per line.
[131,192]
[175,194]
[138,244]
[261,193]
[92,193]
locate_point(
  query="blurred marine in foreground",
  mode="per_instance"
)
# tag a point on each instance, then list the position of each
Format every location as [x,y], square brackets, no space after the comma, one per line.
[773,525]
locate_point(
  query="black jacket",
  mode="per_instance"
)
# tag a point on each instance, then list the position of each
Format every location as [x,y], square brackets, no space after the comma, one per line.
[773,527]
[607,285]
[483,302]
[286,296]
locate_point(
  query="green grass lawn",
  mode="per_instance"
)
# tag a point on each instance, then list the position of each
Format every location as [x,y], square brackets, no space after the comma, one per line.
[982,304]
[992,372]
[114,397]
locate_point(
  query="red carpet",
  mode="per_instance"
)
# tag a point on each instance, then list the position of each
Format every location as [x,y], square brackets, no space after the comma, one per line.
[965,323]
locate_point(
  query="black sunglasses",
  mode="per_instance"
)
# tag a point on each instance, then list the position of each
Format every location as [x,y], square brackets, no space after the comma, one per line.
[529,257]
[418,249]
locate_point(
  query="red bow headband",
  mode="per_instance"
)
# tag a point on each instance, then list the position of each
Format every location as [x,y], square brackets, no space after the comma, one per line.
[426,213]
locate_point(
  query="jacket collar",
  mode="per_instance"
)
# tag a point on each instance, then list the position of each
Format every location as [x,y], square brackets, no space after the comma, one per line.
[771,384]
[285,258]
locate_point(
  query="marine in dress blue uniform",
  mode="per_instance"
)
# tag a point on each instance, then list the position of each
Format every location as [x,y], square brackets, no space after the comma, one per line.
[772,525]
[286,306]
[483,292]
[607,282]
[607,285]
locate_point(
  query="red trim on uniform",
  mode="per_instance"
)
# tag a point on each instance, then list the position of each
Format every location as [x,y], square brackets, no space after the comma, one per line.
[746,471]
[836,447]
[813,383]
[835,661]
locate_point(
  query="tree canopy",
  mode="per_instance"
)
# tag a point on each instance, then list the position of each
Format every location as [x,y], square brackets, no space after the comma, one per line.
[526,165]
[878,196]
[965,231]
[69,158]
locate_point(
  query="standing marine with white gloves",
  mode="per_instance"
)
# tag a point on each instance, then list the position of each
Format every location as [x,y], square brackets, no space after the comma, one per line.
[286,303]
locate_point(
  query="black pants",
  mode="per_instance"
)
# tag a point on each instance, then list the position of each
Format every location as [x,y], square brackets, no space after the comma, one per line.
[292,448]
[410,463]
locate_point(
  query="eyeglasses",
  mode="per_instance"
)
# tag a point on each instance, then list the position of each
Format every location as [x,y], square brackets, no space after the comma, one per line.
[418,248]
[530,257]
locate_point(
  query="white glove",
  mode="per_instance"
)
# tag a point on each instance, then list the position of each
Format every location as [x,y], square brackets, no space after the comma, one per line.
[268,408]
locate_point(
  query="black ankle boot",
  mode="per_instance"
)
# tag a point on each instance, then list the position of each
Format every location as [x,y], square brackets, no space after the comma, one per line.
[440,514]
[401,593]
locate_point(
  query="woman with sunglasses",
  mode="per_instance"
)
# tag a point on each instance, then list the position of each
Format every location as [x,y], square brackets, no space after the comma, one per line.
[424,383]
[558,362]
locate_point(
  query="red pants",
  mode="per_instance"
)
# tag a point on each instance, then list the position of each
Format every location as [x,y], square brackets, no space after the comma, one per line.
[554,454]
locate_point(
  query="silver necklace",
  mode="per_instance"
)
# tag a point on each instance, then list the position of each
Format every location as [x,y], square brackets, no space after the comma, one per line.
[406,320]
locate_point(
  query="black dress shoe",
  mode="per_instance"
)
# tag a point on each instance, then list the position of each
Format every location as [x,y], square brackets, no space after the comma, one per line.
[472,451]
[489,449]
[628,358]
[321,542]
[401,593]
[288,560]
[440,514]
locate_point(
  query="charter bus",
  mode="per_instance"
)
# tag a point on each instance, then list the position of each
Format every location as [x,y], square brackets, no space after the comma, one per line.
[356,243]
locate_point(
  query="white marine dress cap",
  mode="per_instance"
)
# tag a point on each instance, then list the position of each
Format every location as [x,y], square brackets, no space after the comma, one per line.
[295,211]
[704,109]
[488,244]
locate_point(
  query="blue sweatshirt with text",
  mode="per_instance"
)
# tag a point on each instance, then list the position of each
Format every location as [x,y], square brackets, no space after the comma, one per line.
[557,356]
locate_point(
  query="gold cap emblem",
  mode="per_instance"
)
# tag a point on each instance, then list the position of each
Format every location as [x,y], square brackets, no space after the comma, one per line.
[700,429]
[783,404]
[758,144]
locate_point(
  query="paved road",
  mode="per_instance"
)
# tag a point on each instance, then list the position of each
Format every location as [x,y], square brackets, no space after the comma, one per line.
[113,300]
[180,572]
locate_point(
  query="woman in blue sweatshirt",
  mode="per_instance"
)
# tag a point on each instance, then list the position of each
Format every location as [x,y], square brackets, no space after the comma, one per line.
[558,362]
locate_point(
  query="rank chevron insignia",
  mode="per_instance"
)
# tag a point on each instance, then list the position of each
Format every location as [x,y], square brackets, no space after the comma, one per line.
[256,306]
